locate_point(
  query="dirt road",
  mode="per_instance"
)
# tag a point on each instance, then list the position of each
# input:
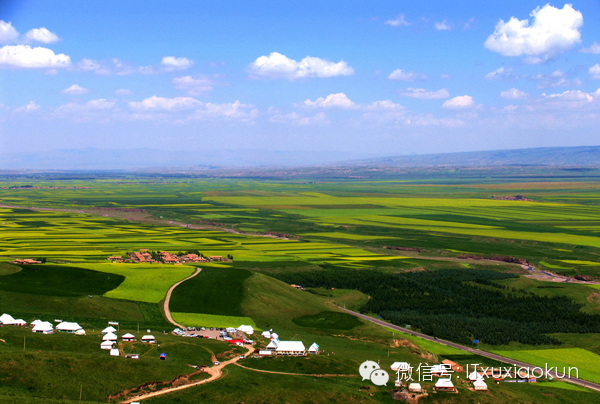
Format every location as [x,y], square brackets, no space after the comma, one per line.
[168,299]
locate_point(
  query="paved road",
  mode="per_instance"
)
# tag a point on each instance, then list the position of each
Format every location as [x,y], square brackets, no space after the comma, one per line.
[579,382]
[168,299]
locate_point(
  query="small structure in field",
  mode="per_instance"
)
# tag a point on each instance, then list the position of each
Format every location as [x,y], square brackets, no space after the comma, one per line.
[18,322]
[107,345]
[313,349]
[163,356]
[80,332]
[266,334]
[273,344]
[109,329]
[290,348]
[453,365]
[133,356]
[265,353]
[115,352]
[109,337]
[415,388]
[246,329]
[149,339]
[128,337]
[43,327]
[479,384]
[444,385]
[474,376]
[67,326]
[6,318]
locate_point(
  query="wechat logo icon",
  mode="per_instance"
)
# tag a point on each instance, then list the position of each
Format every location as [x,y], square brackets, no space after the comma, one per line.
[370,370]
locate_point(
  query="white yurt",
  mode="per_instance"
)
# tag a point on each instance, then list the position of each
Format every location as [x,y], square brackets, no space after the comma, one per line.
[20,322]
[128,337]
[246,329]
[266,334]
[107,345]
[35,322]
[6,318]
[67,326]
[114,352]
[81,331]
[109,329]
[43,327]
[149,339]
[314,349]
[109,337]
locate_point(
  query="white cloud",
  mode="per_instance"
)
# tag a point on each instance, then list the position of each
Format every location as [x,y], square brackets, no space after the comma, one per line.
[425,94]
[593,48]
[501,73]
[277,65]
[385,105]
[123,91]
[297,119]
[513,94]
[558,78]
[155,103]
[571,95]
[25,56]
[113,66]
[42,35]
[339,100]
[172,63]
[75,89]
[460,102]
[92,106]
[30,107]
[233,111]
[442,26]
[193,85]
[403,75]
[553,31]
[595,71]
[399,21]
[8,33]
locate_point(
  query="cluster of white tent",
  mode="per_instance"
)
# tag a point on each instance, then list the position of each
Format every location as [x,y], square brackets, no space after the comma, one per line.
[7,319]
[109,339]
[292,348]
[478,382]
[43,327]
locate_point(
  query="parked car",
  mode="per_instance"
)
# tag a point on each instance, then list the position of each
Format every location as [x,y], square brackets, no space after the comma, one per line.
[217,363]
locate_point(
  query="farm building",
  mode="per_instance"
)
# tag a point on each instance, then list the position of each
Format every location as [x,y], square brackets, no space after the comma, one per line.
[107,345]
[452,365]
[128,337]
[414,388]
[479,384]
[6,318]
[115,352]
[273,344]
[313,349]
[265,353]
[266,334]
[67,326]
[400,366]
[35,322]
[444,385]
[109,337]
[246,329]
[291,348]
[109,329]
[274,335]
[43,327]
[149,339]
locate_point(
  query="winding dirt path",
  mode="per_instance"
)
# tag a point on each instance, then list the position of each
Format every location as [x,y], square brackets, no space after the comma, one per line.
[168,299]
[294,374]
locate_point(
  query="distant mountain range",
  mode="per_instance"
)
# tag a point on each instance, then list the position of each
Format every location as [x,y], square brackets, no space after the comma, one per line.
[540,156]
[255,160]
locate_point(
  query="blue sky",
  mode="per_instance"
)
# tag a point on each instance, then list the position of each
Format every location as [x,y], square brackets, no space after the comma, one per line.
[364,78]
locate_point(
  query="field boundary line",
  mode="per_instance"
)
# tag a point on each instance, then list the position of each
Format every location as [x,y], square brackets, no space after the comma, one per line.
[168,299]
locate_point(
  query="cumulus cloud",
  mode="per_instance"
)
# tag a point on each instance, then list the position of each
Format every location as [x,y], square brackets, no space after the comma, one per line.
[123,91]
[172,63]
[460,102]
[553,31]
[385,105]
[442,26]
[8,33]
[501,73]
[24,56]
[403,75]
[558,78]
[277,65]
[155,103]
[595,72]
[75,89]
[113,66]
[593,48]
[424,94]
[513,94]
[570,95]
[30,107]
[42,35]
[339,100]
[399,21]
[297,119]
[193,85]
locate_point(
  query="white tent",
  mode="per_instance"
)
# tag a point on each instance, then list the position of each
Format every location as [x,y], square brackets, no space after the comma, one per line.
[265,353]
[246,329]
[109,337]
[444,384]
[107,344]
[266,334]
[149,339]
[314,348]
[67,326]
[479,384]
[81,331]
[109,329]
[19,322]
[6,318]
[36,322]
[273,344]
[414,387]
[474,376]
[274,335]
[230,330]
[293,348]
[114,352]
[128,337]
[44,327]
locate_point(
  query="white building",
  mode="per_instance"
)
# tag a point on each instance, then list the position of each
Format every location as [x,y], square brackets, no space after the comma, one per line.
[246,329]
[43,327]
[128,337]
[110,337]
[414,388]
[109,329]
[444,385]
[265,353]
[479,384]
[6,318]
[291,348]
[474,376]
[313,349]
[67,326]
[115,352]
[266,334]
[273,344]
[107,345]
[149,339]
[19,322]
